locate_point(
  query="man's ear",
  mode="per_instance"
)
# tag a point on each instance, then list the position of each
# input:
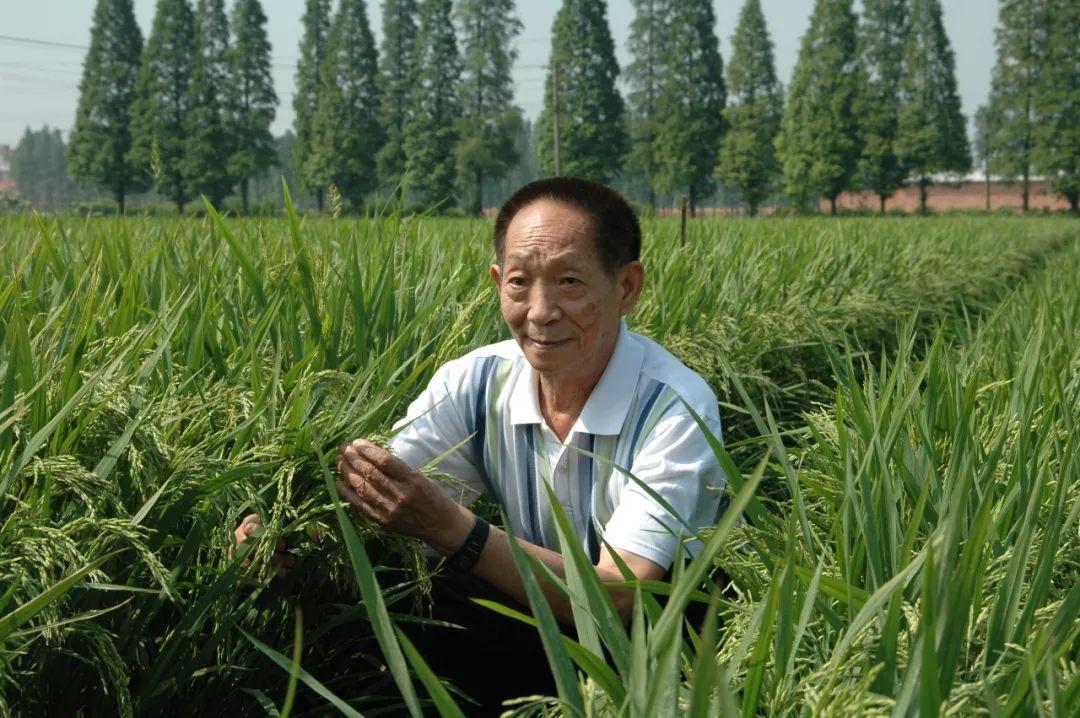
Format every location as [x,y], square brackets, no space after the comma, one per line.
[631,278]
[496,276]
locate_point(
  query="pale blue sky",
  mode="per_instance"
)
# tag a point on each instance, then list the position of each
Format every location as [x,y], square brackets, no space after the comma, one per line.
[39,84]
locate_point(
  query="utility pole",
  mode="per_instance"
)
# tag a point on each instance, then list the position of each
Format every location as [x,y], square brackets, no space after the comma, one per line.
[682,221]
[555,102]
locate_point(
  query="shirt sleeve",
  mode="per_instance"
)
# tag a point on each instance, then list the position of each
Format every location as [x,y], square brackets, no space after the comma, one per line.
[676,462]
[435,426]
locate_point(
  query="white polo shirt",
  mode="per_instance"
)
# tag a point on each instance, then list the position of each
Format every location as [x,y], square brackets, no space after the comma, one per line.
[635,418]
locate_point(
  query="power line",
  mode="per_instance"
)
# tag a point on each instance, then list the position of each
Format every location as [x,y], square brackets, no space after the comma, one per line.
[71,46]
[44,43]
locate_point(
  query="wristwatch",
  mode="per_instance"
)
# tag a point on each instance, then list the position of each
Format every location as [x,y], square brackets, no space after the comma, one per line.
[466,557]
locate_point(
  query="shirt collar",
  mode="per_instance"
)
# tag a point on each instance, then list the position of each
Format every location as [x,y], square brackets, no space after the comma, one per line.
[605,409]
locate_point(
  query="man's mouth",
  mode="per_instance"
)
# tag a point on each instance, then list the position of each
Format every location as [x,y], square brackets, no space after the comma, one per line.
[546,343]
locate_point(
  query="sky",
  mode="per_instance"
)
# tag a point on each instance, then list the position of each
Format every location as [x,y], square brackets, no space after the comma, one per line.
[39,82]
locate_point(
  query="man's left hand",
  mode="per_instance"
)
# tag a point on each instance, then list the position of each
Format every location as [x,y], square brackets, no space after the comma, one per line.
[401,499]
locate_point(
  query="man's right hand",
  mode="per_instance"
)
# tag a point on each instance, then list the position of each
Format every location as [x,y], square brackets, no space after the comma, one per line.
[281,559]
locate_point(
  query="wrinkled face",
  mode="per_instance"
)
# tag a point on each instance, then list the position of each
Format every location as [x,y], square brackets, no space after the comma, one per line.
[561,306]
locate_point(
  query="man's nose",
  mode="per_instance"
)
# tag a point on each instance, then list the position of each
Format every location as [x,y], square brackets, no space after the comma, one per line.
[543,305]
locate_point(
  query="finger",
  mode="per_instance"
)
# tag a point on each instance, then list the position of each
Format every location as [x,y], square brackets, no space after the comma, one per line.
[361,472]
[383,460]
[346,492]
[373,488]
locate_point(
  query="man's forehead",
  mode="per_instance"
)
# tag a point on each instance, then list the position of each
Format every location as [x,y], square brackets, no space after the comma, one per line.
[551,223]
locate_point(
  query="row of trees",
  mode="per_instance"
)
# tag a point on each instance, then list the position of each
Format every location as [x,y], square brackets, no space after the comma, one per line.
[427,118]
[190,113]
[1031,123]
[872,103]
[187,114]
[869,105]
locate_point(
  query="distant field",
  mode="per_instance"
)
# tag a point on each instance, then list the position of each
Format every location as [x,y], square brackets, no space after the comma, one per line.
[900,398]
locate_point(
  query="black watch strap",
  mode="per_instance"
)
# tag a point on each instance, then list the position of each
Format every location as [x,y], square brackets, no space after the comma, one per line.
[466,557]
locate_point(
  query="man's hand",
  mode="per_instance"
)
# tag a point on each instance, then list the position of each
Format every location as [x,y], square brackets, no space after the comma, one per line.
[281,559]
[399,498]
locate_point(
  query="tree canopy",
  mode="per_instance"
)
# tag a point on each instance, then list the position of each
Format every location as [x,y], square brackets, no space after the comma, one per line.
[818,143]
[100,142]
[592,137]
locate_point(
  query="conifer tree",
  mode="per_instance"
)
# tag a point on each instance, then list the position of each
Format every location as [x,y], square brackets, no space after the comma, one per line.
[592,136]
[1020,38]
[881,47]
[490,123]
[690,108]
[431,132]
[747,162]
[346,128]
[395,85]
[931,134]
[1057,103]
[644,75]
[40,169]
[818,142]
[313,46]
[209,137]
[253,98]
[101,139]
[163,101]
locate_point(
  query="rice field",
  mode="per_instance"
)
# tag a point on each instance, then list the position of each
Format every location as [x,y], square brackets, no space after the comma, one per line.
[900,398]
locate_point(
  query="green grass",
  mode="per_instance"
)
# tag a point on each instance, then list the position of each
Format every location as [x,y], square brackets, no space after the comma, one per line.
[899,398]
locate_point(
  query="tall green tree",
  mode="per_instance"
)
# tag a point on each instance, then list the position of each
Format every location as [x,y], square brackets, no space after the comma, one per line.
[1057,103]
[396,74]
[313,47]
[882,36]
[1020,39]
[431,132]
[690,108]
[163,101]
[346,129]
[254,100]
[209,136]
[747,162]
[818,144]
[931,133]
[645,76]
[592,137]
[101,139]
[490,122]
[39,167]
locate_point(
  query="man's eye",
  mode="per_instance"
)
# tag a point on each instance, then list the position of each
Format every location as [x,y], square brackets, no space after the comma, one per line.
[570,281]
[516,281]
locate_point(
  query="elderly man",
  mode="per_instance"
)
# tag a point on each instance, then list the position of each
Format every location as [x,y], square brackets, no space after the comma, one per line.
[569,398]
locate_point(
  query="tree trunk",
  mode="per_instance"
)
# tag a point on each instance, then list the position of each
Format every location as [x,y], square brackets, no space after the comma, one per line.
[988,191]
[478,194]
[882,198]
[691,196]
[319,198]
[244,195]
[1025,191]
[832,205]
[1074,202]
[180,206]
[753,207]
[119,196]
[923,184]
[652,199]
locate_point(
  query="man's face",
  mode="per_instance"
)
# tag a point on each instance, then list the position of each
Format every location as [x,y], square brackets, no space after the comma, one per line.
[561,306]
